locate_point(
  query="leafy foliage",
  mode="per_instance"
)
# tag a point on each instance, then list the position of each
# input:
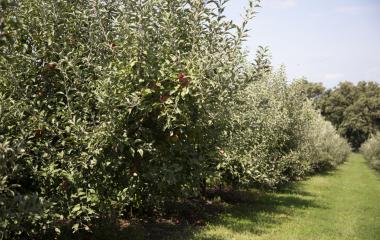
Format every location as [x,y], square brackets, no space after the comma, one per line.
[110,105]
[276,135]
[353,110]
[326,148]
[371,150]
[311,89]
[266,131]
[117,107]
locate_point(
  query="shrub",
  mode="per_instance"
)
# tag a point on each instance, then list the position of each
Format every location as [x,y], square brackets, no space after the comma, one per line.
[371,150]
[107,106]
[275,135]
[266,134]
[327,148]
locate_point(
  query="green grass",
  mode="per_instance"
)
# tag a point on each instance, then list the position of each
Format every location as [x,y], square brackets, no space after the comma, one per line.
[342,204]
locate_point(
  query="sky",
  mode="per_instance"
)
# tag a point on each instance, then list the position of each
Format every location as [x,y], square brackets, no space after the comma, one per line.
[326,41]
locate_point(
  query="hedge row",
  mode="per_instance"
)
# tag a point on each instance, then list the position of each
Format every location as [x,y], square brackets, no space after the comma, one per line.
[112,107]
[277,136]
[371,150]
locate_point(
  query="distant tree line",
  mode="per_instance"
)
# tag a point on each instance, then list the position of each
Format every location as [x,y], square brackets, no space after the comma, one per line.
[353,109]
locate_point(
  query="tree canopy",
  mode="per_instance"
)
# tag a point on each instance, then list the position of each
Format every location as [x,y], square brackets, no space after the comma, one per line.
[353,109]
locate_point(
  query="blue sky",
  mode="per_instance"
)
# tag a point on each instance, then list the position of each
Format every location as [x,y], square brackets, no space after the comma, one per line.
[325,41]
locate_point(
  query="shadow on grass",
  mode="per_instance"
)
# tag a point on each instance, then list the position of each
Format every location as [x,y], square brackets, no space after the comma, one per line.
[262,211]
[134,231]
[145,231]
[180,221]
[253,211]
[329,172]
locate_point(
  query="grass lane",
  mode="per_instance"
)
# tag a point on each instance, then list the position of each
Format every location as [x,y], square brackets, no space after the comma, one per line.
[342,204]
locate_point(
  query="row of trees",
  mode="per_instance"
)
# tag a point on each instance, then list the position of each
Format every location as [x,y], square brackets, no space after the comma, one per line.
[112,107]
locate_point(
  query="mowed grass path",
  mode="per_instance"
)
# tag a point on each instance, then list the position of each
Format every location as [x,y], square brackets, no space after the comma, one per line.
[341,204]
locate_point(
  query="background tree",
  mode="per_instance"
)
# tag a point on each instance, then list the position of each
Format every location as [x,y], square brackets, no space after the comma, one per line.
[353,109]
[310,89]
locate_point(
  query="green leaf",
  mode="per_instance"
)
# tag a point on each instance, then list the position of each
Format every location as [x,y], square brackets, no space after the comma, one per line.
[141,152]
[75,227]
[76,208]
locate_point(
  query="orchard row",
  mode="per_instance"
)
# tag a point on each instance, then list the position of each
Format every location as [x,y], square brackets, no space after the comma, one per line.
[120,106]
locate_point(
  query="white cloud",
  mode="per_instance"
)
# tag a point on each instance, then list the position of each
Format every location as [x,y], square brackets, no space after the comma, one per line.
[282,3]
